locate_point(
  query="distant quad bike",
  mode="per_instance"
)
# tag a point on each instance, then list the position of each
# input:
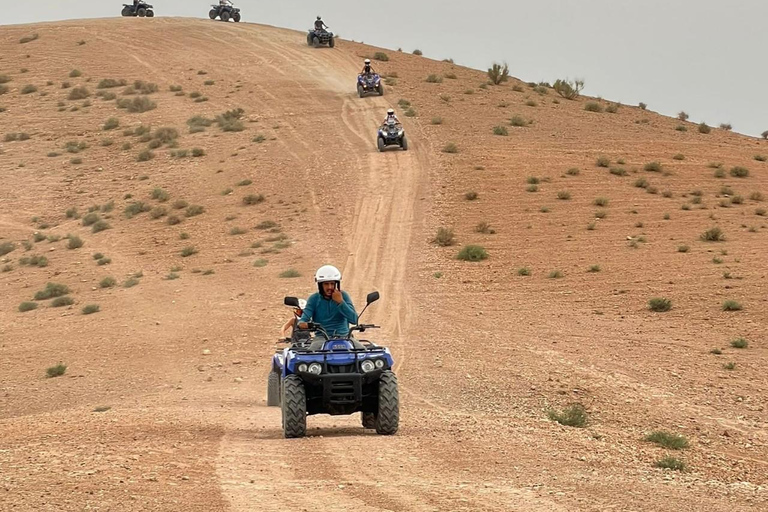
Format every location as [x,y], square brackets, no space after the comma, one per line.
[369,84]
[391,134]
[319,38]
[224,12]
[337,379]
[142,10]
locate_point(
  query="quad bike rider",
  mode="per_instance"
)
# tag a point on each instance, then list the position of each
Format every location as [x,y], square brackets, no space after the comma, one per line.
[330,308]
[138,8]
[391,116]
[367,69]
[225,10]
[368,81]
[319,35]
[290,326]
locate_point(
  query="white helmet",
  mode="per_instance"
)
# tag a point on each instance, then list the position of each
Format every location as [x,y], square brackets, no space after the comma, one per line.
[391,112]
[367,61]
[327,273]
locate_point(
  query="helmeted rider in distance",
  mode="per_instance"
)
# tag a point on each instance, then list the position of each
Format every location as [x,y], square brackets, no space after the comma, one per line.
[331,307]
[367,69]
[391,116]
[319,25]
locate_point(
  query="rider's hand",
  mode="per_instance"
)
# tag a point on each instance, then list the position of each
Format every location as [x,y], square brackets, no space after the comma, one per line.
[303,325]
[337,297]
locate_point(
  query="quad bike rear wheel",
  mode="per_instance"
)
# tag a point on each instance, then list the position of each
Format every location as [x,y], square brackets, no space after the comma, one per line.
[127,11]
[213,13]
[388,417]
[150,13]
[142,12]
[332,42]
[273,389]
[368,420]
[224,16]
[294,405]
[236,17]
[380,144]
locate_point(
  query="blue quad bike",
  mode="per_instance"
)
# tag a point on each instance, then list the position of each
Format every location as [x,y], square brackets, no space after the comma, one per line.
[142,9]
[337,379]
[319,38]
[391,134]
[367,84]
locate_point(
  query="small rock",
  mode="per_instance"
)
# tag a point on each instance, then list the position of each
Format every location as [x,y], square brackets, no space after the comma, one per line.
[238,379]
[206,352]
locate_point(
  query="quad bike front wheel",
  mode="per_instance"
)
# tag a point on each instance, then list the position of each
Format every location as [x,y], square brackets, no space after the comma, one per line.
[213,13]
[380,90]
[126,11]
[150,13]
[236,17]
[224,16]
[404,143]
[388,417]
[360,90]
[142,12]
[273,389]
[294,407]
[380,144]
[332,42]
[316,42]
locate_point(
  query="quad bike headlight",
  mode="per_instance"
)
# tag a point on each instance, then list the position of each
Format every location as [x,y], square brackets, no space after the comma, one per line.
[379,364]
[303,367]
[315,368]
[367,366]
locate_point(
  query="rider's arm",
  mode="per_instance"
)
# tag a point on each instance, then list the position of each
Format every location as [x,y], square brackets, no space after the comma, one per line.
[348,309]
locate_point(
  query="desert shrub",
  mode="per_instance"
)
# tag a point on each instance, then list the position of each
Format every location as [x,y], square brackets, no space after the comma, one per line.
[498,73]
[56,371]
[160,194]
[472,253]
[109,83]
[739,172]
[59,302]
[642,106]
[27,306]
[75,242]
[380,56]
[251,199]
[704,128]
[603,161]
[450,148]
[434,79]
[726,126]
[731,305]
[194,210]
[230,121]
[568,89]
[188,251]
[137,105]
[135,208]
[659,304]
[572,416]
[6,247]
[593,106]
[51,291]
[500,130]
[653,167]
[670,463]
[100,225]
[667,440]
[739,343]
[198,152]
[444,237]
[28,89]
[75,73]
[78,93]
[145,156]
[714,234]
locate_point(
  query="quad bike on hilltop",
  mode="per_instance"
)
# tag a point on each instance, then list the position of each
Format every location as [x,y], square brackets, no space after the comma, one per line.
[319,38]
[370,83]
[141,10]
[224,12]
[391,134]
[337,379]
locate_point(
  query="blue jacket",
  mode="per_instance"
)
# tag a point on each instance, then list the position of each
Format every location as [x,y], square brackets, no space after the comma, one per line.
[335,318]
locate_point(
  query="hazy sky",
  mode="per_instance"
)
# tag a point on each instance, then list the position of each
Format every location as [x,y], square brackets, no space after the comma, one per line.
[707,57]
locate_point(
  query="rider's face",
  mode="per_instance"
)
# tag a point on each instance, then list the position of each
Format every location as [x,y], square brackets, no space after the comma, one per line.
[328,288]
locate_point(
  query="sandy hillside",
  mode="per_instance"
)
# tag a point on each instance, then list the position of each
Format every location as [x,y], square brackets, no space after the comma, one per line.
[200,224]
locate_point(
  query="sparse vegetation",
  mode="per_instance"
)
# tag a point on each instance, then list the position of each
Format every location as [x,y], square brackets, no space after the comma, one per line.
[714,234]
[601,201]
[290,274]
[572,416]
[59,302]
[603,161]
[188,251]
[593,106]
[568,89]
[56,371]
[380,56]
[107,282]
[518,121]
[75,242]
[729,366]
[252,199]
[471,195]
[659,304]
[138,104]
[444,237]
[450,148]
[500,130]
[524,271]
[472,253]
[704,128]
[653,167]
[594,268]
[434,79]
[498,73]
[564,195]
[91,309]
[667,440]
[197,152]
[682,248]
[51,291]
[27,306]
[731,305]
[670,463]
[99,225]
[109,83]
[739,343]
[194,210]
[28,89]
[135,208]
[739,172]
